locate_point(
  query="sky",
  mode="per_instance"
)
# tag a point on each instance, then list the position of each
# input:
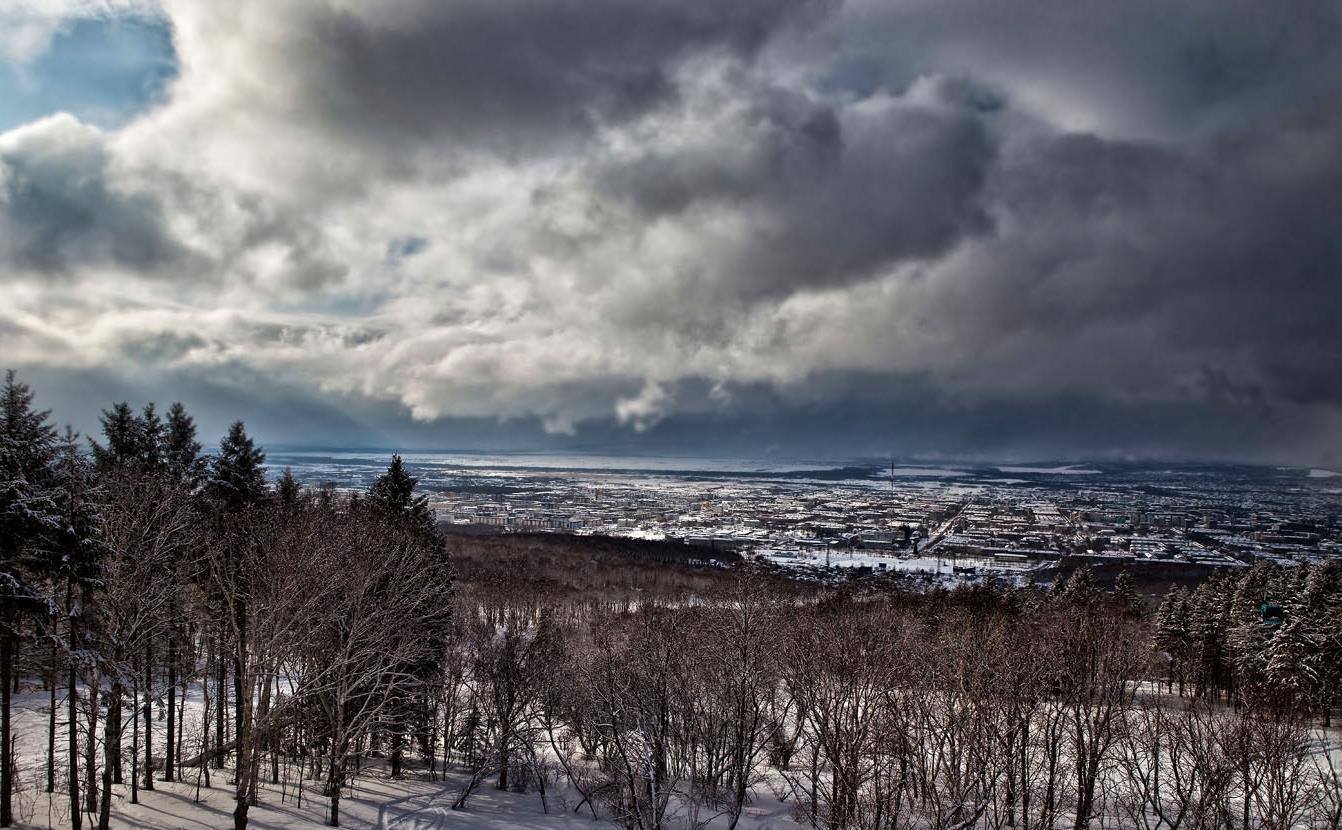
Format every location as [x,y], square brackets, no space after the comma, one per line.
[926,228]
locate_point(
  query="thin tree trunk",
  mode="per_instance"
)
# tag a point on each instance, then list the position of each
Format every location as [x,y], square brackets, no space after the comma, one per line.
[172,705]
[51,723]
[204,730]
[111,740]
[115,717]
[243,727]
[181,724]
[6,768]
[238,733]
[221,688]
[149,716]
[91,755]
[264,738]
[72,749]
[135,742]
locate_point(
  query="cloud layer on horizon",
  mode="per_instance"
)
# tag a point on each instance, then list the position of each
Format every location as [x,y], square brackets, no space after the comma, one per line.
[1068,229]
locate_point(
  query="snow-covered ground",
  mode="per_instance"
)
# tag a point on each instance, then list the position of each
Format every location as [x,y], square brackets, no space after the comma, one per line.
[847,558]
[413,802]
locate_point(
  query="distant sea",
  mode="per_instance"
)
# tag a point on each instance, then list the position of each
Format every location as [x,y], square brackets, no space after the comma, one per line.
[358,468]
[449,470]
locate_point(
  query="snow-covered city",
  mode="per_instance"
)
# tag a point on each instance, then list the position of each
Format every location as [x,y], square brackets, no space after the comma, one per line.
[955,522]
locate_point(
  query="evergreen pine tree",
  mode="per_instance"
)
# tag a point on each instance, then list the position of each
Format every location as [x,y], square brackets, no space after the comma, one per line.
[151,437]
[29,429]
[181,450]
[1251,591]
[27,449]
[1165,636]
[1326,584]
[393,491]
[122,431]
[287,489]
[1290,661]
[27,515]
[237,477]
[1126,597]
[393,497]
[1247,653]
[1208,624]
[1174,633]
[1165,620]
[1320,611]
[75,546]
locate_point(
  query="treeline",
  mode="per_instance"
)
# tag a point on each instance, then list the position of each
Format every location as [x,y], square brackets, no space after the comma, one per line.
[134,570]
[1271,632]
[978,707]
[583,574]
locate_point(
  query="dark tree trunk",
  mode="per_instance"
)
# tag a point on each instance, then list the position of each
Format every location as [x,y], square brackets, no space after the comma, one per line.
[265,735]
[111,739]
[221,687]
[91,756]
[114,718]
[72,758]
[181,723]
[334,782]
[172,706]
[149,716]
[6,772]
[51,724]
[135,743]
[205,728]
[237,717]
[242,729]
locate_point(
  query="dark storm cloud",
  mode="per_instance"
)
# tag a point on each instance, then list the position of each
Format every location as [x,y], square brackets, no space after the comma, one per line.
[877,416]
[60,210]
[1221,256]
[521,74]
[1142,67]
[830,193]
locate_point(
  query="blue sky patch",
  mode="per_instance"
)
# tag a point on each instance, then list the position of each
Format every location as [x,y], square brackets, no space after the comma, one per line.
[104,71]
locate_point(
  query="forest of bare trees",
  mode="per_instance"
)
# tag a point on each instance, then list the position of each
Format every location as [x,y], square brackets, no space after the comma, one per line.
[315,636]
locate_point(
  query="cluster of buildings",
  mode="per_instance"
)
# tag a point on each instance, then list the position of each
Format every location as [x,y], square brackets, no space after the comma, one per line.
[946,525]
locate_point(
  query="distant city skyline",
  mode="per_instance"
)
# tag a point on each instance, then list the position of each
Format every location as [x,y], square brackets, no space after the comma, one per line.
[766,228]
